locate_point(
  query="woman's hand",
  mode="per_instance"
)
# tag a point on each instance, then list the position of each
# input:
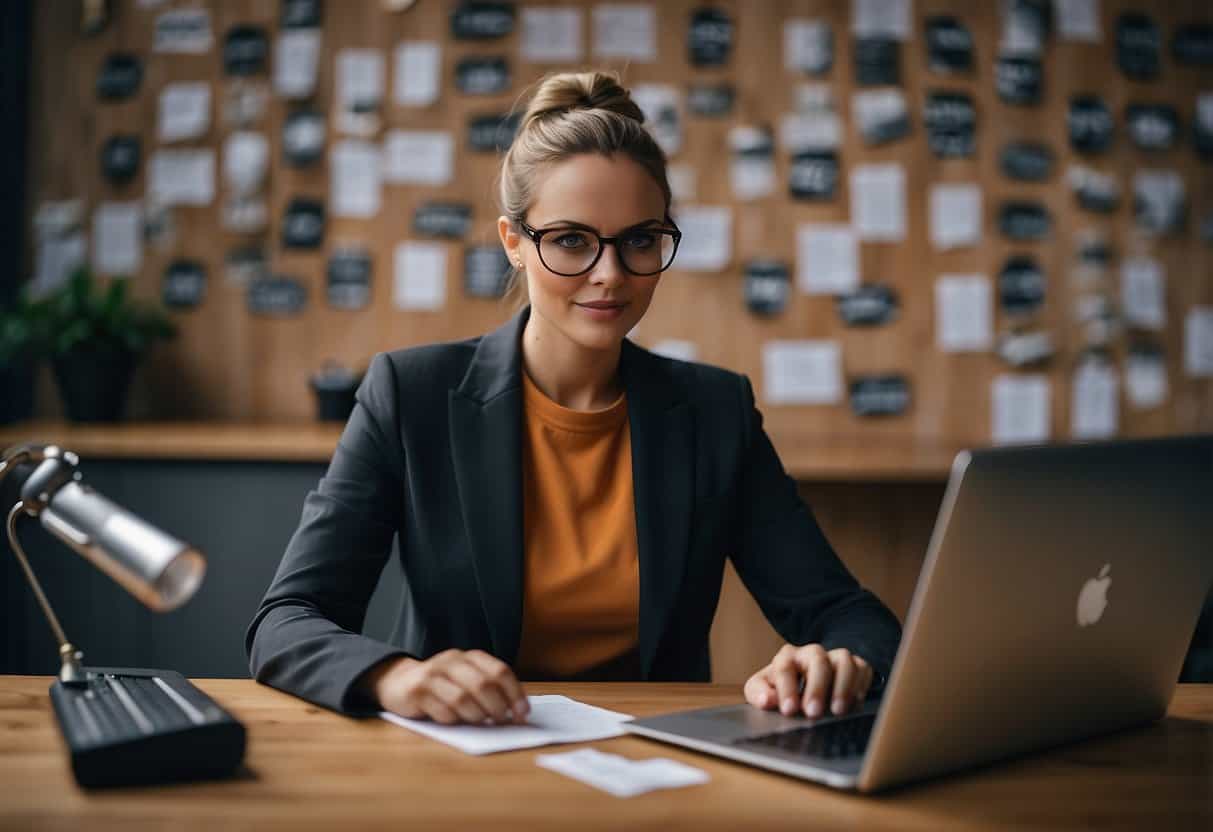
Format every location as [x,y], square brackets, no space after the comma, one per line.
[452,687]
[838,677]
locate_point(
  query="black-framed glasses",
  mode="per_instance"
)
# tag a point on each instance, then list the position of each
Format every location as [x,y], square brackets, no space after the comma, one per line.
[571,250]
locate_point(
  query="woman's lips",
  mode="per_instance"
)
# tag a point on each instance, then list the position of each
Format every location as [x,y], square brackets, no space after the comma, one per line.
[602,310]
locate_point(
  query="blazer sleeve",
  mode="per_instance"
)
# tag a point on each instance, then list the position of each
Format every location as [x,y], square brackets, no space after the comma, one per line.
[306,636]
[789,567]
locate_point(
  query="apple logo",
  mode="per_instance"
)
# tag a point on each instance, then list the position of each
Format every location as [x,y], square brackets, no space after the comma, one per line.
[1093,599]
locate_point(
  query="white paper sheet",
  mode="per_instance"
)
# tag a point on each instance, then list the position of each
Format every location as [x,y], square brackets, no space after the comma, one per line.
[185,111]
[182,177]
[751,176]
[1146,384]
[707,238]
[420,275]
[807,45]
[955,216]
[551,35]
[56,258]
[1095,400]
[661,105]
[418,157]
[354,179]
[1078,20]
[1198,342]
[553,719]
[1019,409]
[297,63]
[417,75]
[620,776]
[677,349]
[878,202]
[881,18]
[117,238]
[802,372]
[964,313]
[683,177]
[359,78]
[827,259]
[625,31]
[183,31]
[1143,293]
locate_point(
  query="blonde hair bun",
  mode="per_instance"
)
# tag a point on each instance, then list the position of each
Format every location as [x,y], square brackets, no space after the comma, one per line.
[566,92]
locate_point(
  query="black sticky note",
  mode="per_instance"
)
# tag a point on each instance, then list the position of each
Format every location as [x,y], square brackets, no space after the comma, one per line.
[767,286]
[184,284]
[301,14]
[277,297]
[709,37]
[813,175]
[482,21]
[492,133]
[873,304]
[245,50]
[877,61]
[951,121]
[303,224]
[949,45]
[1192,44]
[349,278]
[886,394]
[482,75]
[1024,220]
[486,271]
[1021,286]
[1152,126]
[443,219]
[711,100]
[120,77]
[1019,79]
[120,159]
[1138,43]
[1089,123]
[303,138]
[1026,161]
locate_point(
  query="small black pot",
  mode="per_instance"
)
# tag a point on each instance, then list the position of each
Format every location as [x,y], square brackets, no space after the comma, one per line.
[16,392]
[94,383]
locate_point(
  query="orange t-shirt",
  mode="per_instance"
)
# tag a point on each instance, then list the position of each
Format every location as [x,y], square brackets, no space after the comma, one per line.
[581,596]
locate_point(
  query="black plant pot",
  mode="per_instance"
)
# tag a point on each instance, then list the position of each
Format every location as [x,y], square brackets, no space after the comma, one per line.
[16,392]
[94,383]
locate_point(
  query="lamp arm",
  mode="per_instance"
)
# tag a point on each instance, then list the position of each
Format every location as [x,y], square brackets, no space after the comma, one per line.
[70,672]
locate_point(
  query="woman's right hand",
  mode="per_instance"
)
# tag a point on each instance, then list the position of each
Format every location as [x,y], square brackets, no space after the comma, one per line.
[452,687]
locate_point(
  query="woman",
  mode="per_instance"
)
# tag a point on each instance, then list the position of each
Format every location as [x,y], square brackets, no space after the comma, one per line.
[564,499]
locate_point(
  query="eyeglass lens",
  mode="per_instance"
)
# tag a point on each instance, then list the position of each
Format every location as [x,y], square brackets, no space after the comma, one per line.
[571,251]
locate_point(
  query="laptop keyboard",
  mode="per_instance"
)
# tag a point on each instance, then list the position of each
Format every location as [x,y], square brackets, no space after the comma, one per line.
[832,740]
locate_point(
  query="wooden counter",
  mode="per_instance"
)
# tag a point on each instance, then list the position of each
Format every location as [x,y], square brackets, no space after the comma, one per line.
[828,461]
[307,768]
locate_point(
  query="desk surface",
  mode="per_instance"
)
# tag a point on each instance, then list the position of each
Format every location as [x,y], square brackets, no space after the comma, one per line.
[307,767]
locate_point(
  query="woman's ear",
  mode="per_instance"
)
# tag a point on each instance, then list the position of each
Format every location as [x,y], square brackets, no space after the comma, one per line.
[511,241]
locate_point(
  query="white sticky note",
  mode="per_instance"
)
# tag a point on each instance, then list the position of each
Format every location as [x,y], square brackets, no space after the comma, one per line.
[359,79]
[955,216]
[1146,384]
[417,75]
[185,111]
[827,259]
[1019,409]
[1095,400]
[297,63]
[807,45]
[625,31]
[418,157]
[677,349]
[55,260]
[881,18]
[183,31]
[964,313]
[551,34]
[354,179]
[1143,293]
[683,178]
[803,132]
[1198,342]
[802,372]
[661,105]
[117,238]
[182,177]
[1078,20]
[619,776]
[707,238]
[420,275]
[878,202]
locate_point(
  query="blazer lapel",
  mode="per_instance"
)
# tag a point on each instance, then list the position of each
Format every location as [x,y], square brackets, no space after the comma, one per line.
[663,477]
[486,451]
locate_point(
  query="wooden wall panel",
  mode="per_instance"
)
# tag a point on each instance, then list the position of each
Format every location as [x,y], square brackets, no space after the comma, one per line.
[227,365]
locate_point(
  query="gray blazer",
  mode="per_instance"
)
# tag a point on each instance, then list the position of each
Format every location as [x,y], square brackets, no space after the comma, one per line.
[433,454]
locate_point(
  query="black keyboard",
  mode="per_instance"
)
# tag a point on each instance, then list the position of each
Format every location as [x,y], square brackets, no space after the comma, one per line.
[127,726]
[833,740]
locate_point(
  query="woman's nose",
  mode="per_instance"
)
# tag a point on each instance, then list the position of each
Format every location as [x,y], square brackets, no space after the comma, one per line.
[608,271]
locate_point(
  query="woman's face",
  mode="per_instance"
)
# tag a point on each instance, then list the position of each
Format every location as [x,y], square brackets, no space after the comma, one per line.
[608,195]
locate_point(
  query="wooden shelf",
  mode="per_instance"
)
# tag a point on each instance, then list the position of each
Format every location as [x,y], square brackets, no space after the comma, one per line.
[811,460]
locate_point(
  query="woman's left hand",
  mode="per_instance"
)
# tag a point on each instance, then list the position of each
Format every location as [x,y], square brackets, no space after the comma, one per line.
[838,677]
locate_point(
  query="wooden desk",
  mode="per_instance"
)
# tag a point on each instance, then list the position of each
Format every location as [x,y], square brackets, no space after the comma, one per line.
[310,768]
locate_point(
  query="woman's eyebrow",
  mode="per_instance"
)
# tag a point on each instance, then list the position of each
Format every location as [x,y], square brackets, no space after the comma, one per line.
[574,224]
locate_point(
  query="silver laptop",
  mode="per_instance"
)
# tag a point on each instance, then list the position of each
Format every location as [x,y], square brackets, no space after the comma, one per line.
[1057,600]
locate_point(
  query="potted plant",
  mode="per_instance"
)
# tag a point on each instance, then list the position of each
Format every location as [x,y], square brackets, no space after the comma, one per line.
[98,335]
[22,340]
